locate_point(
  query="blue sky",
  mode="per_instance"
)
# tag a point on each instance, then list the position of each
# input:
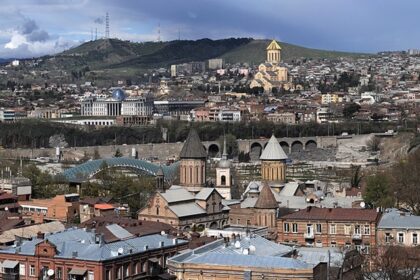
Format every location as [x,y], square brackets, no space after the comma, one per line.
[35,27]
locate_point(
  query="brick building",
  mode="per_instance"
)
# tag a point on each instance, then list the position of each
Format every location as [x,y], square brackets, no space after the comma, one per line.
[64,208]
[80,254]
[335,227]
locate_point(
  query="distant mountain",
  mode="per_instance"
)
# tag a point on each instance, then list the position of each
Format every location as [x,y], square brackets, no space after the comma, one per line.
[114,53]
[5,60]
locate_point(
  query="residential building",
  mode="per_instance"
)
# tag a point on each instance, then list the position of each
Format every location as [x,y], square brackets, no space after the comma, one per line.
[282,118]
[9,202]
[253,257]
[335,227]
[398,228]
[216,63]
[19,186]
[64,208]
[81,254]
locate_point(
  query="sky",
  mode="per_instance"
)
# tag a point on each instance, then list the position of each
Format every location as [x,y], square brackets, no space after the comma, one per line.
[31,28]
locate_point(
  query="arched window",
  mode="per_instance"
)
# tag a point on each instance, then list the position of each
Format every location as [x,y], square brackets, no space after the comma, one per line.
[157,210]
[223,180]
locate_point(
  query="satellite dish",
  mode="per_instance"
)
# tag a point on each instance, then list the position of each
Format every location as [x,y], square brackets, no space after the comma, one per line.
[120,251]
[50,272]
[362,204]
[237,244]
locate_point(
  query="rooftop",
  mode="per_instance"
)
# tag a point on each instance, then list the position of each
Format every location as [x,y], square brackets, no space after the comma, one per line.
[82,243]
[273,150]
[335,214]
[193,148]
[393,218]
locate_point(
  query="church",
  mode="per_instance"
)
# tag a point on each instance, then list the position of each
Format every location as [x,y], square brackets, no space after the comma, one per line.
[191,204]
[271,74]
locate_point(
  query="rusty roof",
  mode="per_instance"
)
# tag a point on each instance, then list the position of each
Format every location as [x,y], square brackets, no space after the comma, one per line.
[334,214]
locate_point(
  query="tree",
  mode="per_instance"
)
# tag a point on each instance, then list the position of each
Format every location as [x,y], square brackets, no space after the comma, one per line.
[356,177]
[378,191]
[96,154]
[374,143]
[405,181]
[350,110]
[118,153]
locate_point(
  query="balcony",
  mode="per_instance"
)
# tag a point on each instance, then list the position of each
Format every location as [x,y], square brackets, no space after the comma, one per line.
[356,236]
[309,235]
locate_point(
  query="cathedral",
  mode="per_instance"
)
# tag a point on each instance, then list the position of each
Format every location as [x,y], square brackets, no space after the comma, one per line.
[271,74]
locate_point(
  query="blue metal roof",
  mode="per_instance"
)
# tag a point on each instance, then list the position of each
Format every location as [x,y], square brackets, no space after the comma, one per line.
[83,242]
[90,168]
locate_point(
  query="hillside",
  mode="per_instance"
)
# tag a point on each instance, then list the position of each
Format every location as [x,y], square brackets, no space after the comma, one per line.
[117,54]
[254,52]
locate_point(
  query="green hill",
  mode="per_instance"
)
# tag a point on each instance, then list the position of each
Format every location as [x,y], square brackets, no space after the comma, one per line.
[254,52]
[117,54]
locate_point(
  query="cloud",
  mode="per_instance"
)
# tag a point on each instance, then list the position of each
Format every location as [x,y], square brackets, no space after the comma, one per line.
[28,40]
[98,20]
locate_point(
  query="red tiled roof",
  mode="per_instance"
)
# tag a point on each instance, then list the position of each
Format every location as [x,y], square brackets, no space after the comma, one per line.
[334,214]
[104,206]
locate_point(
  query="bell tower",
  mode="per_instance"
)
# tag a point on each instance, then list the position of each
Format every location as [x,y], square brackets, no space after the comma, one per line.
[274,53]
[273,162]
[193,163]
[223,175]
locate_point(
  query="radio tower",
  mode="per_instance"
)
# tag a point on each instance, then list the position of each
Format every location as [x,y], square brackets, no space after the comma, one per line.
[107,26]
[158,33]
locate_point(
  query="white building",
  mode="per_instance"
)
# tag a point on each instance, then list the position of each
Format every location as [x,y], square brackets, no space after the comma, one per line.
[117,105]
[229,115]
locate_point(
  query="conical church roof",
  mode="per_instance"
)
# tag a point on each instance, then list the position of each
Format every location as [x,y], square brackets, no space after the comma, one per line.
[273,150]
[266,199]
[273,46]
[193,148]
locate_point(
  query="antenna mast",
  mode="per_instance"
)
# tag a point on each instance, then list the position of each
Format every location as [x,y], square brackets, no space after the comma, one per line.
[158,33]
[107,26]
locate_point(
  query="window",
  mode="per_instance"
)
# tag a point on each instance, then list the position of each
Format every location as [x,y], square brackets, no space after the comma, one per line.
[91,275]
[367,230]
[286,227]
[22,269]
[387,237]
[347,246]
[333,244]
[318,228]
[59,273]
[347,229]
[332,229]
[415,238]
[157,210]
[32,270]
[223,180]
[357,229]
[401,237]
[294,228]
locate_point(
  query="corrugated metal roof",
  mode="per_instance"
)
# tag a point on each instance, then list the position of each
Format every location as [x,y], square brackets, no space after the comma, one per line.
[394,218]
[119,231]
[83,242]
[177,194]
[187,209]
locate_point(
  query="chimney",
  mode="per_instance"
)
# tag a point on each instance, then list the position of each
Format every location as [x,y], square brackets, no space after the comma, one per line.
[146,247]
[175,241]
[40,235]
[74,254]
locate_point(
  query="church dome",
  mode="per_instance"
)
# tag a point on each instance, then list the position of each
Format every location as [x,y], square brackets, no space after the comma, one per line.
[254,188]
[224,163]
[118,94]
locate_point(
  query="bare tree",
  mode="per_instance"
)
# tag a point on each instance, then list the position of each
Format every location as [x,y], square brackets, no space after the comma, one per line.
[374,143]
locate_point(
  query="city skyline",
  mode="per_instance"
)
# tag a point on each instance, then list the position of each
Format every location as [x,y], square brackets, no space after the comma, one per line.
[37,27]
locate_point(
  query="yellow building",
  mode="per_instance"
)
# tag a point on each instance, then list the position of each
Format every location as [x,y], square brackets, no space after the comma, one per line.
[270,74]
